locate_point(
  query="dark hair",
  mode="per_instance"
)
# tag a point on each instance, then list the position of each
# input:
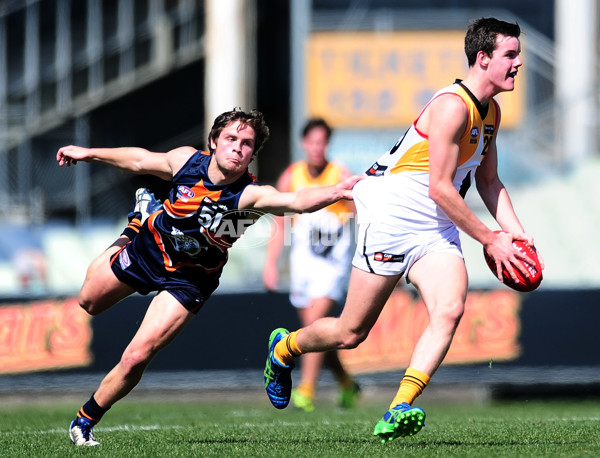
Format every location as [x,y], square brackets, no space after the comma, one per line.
[482,33]
[316,122]
[253,119]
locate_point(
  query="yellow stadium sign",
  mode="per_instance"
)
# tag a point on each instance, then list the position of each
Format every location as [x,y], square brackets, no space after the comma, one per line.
[44,335]
[383,79]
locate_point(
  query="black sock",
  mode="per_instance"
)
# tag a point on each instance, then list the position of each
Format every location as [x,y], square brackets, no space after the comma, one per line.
[134,215]
[92,410]
[133,228]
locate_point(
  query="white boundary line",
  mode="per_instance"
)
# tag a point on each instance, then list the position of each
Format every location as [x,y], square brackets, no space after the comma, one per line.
[96,429]
[173,427]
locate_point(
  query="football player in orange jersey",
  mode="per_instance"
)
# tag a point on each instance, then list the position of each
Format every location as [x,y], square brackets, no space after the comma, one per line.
[180,250]
[408,213]
[320,254]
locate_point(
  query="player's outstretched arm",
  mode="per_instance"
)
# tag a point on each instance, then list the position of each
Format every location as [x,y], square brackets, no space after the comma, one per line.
[132,159]
[270,200]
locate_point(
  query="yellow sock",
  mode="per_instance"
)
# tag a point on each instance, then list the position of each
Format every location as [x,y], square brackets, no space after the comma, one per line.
[307,389]
[286,350]
[412,385]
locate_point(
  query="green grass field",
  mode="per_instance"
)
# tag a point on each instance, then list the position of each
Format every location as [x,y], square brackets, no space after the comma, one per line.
[251,427]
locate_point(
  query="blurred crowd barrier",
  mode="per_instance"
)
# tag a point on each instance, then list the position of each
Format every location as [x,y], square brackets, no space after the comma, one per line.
[500,329]
[560,210]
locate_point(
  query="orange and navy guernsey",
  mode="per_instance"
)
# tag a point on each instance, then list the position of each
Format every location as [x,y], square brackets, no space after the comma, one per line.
[183,247]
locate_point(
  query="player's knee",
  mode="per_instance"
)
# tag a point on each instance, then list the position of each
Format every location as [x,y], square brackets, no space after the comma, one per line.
[353,338]
[455,311]
[88,305]
[448,315]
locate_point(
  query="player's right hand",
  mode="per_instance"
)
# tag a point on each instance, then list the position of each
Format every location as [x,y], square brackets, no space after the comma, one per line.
[347,184]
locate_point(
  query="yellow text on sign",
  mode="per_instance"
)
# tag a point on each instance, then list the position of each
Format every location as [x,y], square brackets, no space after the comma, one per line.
[382,80]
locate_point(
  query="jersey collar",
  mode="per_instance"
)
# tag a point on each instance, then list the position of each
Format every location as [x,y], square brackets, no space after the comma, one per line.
[483,110]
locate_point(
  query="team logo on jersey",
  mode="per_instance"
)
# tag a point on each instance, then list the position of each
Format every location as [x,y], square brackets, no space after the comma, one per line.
[474,135]
[183,192]
[388,257]
[488,129]
[376,169]
[184,243]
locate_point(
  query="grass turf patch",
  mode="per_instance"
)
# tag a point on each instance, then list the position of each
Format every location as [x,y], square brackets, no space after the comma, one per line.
[253,428]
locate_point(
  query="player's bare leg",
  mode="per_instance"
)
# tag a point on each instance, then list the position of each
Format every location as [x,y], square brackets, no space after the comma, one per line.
[303,396]
[367,294]
[441,279]
[101,288]
[164,320]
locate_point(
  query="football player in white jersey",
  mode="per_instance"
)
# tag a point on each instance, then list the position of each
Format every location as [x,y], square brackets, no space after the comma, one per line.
[409,211]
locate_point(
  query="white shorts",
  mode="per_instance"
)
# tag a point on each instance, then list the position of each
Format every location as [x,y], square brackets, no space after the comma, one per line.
[313,275]
[387,250]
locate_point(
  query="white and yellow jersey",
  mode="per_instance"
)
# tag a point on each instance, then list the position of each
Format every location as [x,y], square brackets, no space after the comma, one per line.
[322,241]
[331,174]
[397,190]
[330,218]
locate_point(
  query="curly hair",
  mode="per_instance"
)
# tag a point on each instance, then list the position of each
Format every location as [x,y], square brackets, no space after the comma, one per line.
[254,119]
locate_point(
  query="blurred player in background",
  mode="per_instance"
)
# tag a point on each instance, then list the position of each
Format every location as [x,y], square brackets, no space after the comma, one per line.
[409,211]
[320,254]
[181,248]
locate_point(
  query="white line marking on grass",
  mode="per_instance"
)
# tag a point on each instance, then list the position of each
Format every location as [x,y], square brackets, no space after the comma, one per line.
[96,429]
[138,428]
[560,419]
[580,418]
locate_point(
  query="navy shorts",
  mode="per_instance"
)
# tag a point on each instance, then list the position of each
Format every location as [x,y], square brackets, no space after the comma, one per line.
[192,291]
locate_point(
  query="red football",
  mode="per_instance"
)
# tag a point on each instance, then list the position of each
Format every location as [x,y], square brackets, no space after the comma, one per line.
[526,284]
